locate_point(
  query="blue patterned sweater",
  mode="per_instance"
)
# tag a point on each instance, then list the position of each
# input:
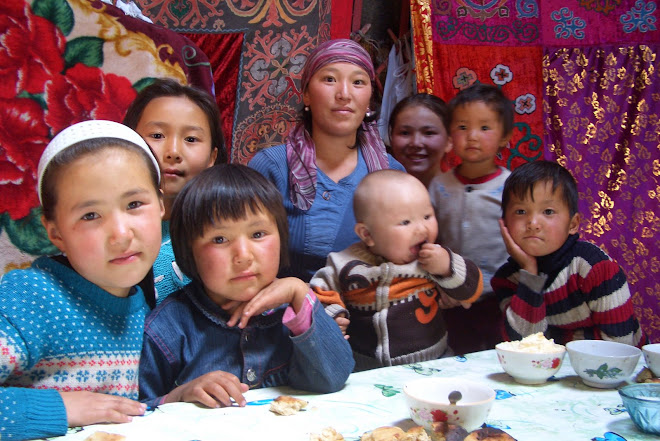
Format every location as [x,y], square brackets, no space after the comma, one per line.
[60,332]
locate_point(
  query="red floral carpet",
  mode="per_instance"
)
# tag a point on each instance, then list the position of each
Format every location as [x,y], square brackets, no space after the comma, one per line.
[63,62]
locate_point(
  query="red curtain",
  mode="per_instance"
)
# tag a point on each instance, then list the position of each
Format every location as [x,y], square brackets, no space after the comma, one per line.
[342,15]
[224,54]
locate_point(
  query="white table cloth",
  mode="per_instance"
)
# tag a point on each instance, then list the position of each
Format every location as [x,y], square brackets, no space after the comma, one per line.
[561,409]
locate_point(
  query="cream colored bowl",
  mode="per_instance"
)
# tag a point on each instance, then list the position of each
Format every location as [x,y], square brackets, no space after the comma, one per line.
[427,401]
[529,367]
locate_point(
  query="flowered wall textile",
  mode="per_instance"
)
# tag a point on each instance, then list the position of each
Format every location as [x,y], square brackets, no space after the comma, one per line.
[585,79]
[277,36]
[62,62]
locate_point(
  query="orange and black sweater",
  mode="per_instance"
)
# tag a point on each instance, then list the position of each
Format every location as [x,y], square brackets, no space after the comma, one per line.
[393,309]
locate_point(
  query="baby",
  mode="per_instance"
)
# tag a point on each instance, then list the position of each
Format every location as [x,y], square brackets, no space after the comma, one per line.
[389,284]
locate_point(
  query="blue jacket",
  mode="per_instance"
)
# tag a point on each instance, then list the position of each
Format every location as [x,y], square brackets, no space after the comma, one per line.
[187,336]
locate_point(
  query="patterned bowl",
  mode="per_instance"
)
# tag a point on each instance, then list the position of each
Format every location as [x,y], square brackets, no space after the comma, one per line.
[652,356]
[643,404]
[602,364]
[529,367]
[428,402]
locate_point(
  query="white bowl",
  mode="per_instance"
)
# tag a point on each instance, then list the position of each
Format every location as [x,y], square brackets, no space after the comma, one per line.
[602,364]
[529,367]
[428,402]
[652,356]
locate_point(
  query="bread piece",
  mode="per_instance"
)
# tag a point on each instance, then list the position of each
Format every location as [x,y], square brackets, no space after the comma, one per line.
[105,436]
[385,433]
[286,405]
[489,434]
[388,433]
[644,375]
[416,434]
[327,434]
[443,431]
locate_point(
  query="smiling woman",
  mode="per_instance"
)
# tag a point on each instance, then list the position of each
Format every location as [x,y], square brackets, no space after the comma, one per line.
[333,146]
[418,134]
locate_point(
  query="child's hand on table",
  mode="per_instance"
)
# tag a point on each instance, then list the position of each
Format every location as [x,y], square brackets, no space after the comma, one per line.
[214,389]
[84,408]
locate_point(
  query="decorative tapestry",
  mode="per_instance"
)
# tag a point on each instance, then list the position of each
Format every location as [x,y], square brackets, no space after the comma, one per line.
[584,78]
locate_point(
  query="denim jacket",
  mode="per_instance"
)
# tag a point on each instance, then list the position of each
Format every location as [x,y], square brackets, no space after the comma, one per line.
[187,336]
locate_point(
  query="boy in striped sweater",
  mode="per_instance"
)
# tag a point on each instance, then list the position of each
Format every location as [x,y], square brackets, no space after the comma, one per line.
[554,283]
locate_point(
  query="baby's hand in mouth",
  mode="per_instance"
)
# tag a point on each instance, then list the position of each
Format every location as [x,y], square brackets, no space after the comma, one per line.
[435,259]
[426,245]
[415,249]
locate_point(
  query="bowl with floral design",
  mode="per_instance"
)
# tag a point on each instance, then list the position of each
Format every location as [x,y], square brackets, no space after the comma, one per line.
[428,402]
[528,367]
[603,364]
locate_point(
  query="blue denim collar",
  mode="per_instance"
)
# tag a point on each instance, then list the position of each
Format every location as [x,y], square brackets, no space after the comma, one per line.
[195,292]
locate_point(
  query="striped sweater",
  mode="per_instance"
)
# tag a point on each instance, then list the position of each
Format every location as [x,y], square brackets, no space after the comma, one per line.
[60,332]
[580,293]
[393,309]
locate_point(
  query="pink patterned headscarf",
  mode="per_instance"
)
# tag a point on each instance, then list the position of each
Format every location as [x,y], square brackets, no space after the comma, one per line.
[300,151]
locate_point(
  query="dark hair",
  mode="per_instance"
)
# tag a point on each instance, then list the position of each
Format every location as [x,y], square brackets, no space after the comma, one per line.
[76,151]
[224,191]
[431,102]
[522,180]
[491,96]
[167,87]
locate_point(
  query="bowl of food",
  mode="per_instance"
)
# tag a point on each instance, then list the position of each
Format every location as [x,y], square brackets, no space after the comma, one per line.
[602,364]
[531,360]
[643,404]
[652,357]
[428,401]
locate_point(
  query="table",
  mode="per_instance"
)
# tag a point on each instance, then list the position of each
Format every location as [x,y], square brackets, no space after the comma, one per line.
[561,409]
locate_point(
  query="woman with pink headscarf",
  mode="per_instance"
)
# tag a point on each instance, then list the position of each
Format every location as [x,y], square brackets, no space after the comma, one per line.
[333,146]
